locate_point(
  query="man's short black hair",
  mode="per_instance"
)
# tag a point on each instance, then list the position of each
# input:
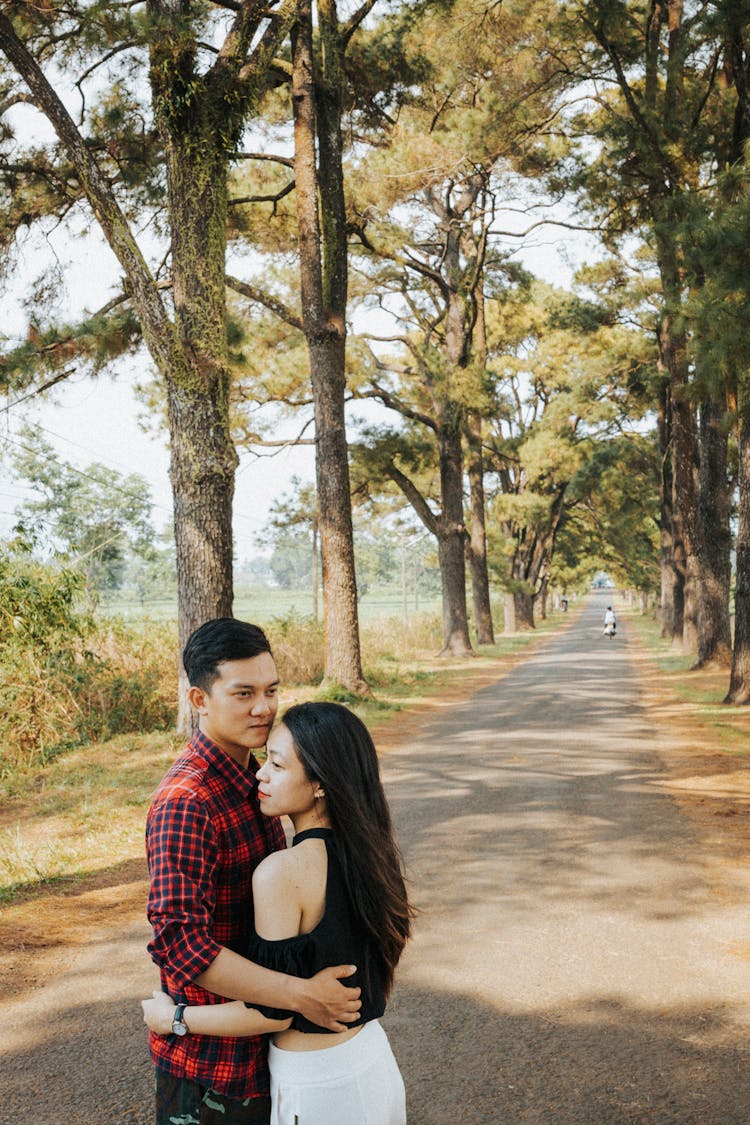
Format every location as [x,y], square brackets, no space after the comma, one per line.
[214,642]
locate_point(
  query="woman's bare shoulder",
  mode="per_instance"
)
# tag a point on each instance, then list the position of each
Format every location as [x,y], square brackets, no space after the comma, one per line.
[291,863]
[277,865]
[289,890]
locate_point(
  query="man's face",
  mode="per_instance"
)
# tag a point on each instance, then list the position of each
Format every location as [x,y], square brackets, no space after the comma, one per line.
[238,711]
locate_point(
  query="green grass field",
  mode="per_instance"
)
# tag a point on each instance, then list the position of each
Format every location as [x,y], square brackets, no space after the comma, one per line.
[262,604]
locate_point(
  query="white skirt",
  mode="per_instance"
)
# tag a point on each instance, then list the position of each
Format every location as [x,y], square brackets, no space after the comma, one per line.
[353,1083]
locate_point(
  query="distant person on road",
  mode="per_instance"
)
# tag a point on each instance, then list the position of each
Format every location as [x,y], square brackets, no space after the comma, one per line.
[337,895]
[610,622]
[205,836]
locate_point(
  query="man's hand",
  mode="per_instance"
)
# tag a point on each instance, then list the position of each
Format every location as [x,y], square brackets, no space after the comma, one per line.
[325,1001]
[158,1012]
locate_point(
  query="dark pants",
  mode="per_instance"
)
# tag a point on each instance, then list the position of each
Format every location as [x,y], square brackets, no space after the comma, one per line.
[181,1101]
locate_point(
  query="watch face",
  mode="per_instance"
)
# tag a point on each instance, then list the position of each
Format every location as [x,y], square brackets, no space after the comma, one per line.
[179,1028]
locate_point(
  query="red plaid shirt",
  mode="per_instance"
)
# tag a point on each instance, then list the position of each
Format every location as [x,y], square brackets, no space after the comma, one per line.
[205,835]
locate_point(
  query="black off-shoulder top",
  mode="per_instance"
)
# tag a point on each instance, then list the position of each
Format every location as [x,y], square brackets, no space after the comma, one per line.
[338,939]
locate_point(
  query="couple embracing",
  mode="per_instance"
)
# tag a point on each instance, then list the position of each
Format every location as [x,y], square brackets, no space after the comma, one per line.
[303,941]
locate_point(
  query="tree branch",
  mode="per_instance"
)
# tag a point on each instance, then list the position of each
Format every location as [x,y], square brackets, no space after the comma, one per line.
[157,327]
[259,297]
[393,402]
[631,102]
[287,161]
[356,19]
[415,498]
[39,390]
[263,198]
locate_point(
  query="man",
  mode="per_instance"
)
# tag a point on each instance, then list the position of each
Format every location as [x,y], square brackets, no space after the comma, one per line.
[205,835]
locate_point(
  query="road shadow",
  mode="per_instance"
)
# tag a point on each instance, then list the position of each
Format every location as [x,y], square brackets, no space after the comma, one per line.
[603,1063]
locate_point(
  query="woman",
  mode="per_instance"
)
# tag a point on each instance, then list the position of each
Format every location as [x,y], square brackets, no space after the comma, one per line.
[337,896]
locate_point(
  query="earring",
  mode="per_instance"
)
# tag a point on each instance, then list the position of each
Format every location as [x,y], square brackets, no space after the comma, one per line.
[319,793]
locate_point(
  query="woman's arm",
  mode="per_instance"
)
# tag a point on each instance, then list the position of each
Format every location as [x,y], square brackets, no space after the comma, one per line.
[208,1019]
[280,884]
[277,898]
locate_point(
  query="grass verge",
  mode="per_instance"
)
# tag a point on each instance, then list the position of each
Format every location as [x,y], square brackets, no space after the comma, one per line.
[723,728]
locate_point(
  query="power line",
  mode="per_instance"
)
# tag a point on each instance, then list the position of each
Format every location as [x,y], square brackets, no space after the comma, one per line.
[236,515]
[37,391]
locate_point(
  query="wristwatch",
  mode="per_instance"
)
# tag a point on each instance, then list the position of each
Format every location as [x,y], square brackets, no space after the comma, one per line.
[179,1027]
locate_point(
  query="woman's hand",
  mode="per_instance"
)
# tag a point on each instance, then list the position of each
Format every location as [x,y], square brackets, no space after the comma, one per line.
[159,1012]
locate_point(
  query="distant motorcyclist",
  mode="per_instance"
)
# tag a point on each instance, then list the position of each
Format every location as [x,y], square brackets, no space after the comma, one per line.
[610,622]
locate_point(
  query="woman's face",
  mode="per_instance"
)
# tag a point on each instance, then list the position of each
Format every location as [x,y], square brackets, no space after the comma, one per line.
[283,786]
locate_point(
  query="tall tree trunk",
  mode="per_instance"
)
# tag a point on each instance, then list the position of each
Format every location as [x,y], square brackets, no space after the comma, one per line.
[191,352]
[673,342]
[673,349]
[451,536]
[542,597]
[739,683]
[523,603]
[530,564]
[670,583]
[323,293]
[509,613]
[685,508]
[203,459]
[477,542]
[477,538]
[714,540]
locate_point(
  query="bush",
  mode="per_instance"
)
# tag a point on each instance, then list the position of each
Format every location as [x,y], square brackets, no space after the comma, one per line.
[63,678]
[391,638]
[297,646]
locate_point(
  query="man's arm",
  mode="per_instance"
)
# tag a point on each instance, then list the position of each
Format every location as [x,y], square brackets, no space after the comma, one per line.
[322,999]
[182,855]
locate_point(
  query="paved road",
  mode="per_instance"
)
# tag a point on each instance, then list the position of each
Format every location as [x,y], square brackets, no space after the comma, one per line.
[576,960]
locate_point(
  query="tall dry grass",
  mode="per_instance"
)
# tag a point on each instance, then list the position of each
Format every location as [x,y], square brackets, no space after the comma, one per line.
[107,681]
[91,679]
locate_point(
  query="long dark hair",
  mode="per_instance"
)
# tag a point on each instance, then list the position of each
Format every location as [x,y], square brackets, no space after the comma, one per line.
[336,750]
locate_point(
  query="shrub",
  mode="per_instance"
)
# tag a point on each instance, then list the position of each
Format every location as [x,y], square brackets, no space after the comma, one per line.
[391,638]
[297,645]
[63,678]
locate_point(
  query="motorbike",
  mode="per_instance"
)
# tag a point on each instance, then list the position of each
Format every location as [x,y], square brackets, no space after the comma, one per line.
[610,629]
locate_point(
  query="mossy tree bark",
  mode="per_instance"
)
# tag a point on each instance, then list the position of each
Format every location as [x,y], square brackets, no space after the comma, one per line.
[194,128]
